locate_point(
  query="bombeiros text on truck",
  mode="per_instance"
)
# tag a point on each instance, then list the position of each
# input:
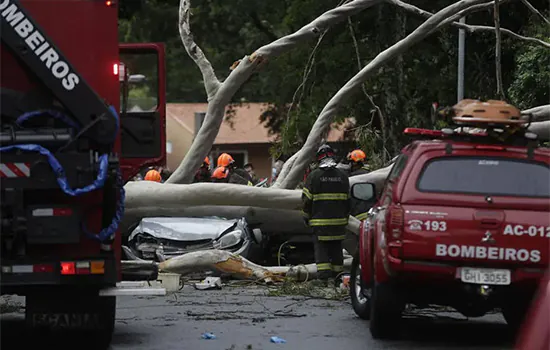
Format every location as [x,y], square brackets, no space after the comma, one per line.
[463,221]
[76,124]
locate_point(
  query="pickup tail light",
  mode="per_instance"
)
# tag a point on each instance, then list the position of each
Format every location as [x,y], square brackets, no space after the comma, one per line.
[396,222]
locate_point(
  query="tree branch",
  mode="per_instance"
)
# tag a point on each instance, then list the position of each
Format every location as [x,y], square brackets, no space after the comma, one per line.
[540,113]
[369,97]
[241,73]
[542,129]
[211,82]
[315,28]
[327,114]
[498,65]
[284,171]
[468,28]
[535,11]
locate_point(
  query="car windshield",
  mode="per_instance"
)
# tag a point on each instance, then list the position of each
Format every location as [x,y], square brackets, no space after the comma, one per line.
[487,176]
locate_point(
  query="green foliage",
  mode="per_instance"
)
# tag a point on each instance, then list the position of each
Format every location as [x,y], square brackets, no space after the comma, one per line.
[532,75]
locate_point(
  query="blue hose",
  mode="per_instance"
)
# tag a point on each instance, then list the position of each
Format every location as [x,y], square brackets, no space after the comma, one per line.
[57,168]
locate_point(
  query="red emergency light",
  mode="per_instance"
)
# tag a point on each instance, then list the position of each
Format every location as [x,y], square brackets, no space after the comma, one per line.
[110,3]
[115,69]
[423,132]
[490,148]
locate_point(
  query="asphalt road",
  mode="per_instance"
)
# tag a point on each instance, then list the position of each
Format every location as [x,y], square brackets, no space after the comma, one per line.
[246,318]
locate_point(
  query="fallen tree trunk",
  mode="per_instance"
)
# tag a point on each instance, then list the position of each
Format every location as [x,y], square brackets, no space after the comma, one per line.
[237,266]
[147,193]
[540,113]
[271,209]
[542,129]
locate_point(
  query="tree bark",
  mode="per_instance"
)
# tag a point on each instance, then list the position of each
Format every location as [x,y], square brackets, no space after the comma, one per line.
[327,114]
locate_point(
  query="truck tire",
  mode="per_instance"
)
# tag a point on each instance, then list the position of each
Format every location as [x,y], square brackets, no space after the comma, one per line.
[386,307]
[360,296]
[92,317]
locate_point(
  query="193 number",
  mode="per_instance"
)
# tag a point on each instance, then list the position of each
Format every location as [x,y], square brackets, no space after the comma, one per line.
[435,225]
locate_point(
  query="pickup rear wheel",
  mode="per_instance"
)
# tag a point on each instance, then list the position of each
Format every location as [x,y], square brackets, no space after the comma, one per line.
[386,307]
[359,293]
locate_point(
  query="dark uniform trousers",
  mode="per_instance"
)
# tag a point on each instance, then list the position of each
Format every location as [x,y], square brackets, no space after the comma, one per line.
[326,207]
[329,256]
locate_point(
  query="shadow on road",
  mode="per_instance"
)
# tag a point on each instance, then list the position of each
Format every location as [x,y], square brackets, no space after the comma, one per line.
[416,333]
[456,333]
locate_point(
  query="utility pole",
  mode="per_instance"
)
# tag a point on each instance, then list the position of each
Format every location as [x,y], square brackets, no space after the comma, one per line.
[461,54]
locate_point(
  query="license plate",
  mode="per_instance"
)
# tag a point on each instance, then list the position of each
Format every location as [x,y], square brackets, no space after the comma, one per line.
[485,276]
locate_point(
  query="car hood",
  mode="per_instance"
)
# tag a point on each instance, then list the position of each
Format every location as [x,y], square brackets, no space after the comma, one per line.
[183,229]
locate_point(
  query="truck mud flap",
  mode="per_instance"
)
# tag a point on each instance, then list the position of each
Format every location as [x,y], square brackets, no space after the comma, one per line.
[70,310]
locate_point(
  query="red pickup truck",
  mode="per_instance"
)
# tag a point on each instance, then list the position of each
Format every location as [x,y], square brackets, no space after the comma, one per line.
[463,221]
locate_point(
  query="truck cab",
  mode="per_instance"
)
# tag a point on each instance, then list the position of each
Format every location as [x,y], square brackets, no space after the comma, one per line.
[463,221]
[67,149]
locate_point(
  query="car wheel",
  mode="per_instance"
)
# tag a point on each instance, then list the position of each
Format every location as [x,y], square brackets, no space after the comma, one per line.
[385,311]
[360,295]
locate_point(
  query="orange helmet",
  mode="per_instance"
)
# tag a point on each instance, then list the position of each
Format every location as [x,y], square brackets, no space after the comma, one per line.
[225,160]
[153,175]
[206,161]
[220,173]
[357,156]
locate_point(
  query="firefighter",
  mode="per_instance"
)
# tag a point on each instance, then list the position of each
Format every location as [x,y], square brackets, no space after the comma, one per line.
[203,174]
[236,175]
[357,160]
[220,175]
[326,207]
[153,175]
[359,209]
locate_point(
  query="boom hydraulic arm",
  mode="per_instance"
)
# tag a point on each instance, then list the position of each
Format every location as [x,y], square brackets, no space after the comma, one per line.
[35,49]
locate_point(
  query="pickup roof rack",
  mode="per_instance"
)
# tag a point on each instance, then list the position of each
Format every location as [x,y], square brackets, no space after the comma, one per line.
[492,123]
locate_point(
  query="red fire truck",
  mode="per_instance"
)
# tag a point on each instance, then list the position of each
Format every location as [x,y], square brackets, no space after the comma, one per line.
[80,115]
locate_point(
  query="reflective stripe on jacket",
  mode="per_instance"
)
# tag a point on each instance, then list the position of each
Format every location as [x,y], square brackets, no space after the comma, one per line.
[326,202]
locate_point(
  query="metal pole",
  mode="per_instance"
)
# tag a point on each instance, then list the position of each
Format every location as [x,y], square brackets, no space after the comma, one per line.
[461,54]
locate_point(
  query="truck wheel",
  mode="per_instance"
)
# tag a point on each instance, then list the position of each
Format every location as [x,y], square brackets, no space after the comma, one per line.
[74,315]
[360,295]
[385,311]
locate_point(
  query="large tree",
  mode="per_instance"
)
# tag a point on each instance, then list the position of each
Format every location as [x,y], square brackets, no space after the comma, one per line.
[221,89]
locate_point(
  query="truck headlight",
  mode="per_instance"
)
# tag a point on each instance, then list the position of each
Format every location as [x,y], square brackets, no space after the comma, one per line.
[229,240]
